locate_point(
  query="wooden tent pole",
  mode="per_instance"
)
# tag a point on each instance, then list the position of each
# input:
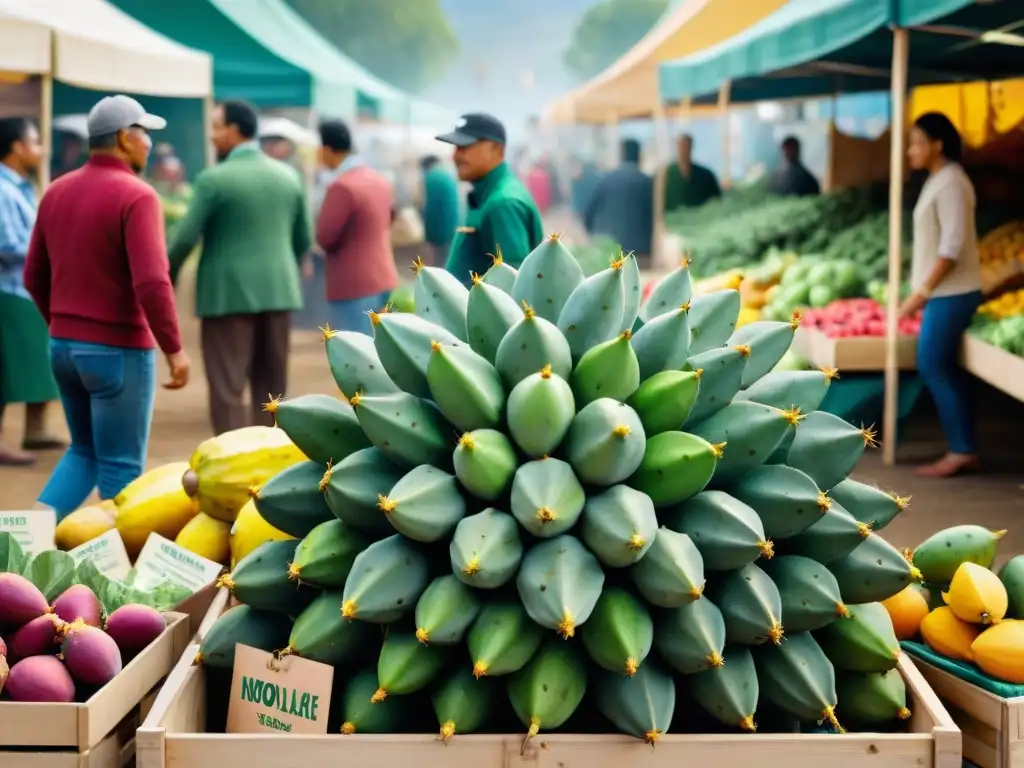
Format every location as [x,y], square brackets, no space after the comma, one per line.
[723,115]
[46,126]
[662,150]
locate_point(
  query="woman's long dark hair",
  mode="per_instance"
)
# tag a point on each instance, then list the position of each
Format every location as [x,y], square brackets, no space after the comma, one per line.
[937,127]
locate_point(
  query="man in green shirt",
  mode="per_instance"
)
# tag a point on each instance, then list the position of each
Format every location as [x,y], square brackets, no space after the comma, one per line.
[440,207]
[687,184]
[502,217]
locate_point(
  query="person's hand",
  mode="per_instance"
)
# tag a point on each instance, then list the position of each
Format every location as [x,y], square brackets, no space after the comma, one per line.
[307,270]
[181,368]
[913,304]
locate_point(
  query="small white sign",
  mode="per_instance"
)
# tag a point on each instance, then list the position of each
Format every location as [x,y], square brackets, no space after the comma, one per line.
[107,553]
[33,529]
[162,560]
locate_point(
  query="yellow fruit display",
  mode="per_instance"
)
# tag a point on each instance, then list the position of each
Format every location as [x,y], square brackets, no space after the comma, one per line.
[224,468]
[153,503]
[947,635]
[999,651]
[85,524]
[907,610]
[1005,243]
[250,530]
[207,537]
[1009,304]
[726,280]
[976,595]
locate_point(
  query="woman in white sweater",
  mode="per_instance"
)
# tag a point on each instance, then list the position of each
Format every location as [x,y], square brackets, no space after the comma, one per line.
[946,283]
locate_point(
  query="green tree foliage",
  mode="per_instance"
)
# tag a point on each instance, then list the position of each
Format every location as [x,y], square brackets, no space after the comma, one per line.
[606,31]
[407,43]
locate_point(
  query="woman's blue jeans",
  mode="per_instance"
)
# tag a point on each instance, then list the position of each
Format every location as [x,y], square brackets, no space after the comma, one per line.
[107,394]
[353,314]
[943,322]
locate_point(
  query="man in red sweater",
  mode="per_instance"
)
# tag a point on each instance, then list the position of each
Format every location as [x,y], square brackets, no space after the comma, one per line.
[97,270]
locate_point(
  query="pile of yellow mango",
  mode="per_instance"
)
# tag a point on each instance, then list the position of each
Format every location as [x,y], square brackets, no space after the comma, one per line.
[755,287]
[1009,304]
[1002,254]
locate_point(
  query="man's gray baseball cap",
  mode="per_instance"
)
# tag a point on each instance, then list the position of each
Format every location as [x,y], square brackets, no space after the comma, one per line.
[115,113]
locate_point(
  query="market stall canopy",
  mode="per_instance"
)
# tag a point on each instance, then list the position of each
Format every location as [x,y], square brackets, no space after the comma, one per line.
[91,44]
[629,88]
[816,47]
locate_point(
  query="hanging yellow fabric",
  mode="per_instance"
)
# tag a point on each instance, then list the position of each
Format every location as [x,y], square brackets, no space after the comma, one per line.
[980,111]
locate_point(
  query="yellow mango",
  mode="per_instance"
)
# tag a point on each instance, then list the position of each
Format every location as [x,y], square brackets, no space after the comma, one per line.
[999,651]
[250,530]
[907,610]
[976,595]
[947,635]
[207,537]
[153,503]
[85,524]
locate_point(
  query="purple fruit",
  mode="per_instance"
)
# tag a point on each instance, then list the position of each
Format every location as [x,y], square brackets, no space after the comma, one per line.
[40,636]
[133,627]
[20,600]
[90,654]
[79,602]
[40,679]
[4,671]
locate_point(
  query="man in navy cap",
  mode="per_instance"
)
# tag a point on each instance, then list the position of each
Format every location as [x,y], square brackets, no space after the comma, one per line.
[502,217]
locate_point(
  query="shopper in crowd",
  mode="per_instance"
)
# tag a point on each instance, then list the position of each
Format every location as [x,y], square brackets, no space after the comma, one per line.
[585,178]
[25,375]
[98,272]
[538,181]
[946,283]
[622,206]
[440,208]
[688,184]
[502,216]
[250,213]
[354,231]
[792,179]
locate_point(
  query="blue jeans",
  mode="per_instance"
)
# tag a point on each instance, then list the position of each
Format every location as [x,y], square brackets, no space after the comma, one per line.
[351,314]
[107,394]
[943,322]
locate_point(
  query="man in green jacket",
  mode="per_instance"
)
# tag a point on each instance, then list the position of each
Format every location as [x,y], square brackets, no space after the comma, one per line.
[250,213]
[502,218]
[687,184]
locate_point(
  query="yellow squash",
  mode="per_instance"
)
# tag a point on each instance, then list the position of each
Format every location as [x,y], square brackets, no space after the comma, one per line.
[153,503]
[999,651]
[207,537]
[85,524]
[250,530]
[976,595]
[947,635]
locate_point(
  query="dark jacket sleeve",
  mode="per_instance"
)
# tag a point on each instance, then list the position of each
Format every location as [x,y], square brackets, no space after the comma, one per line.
[189,231]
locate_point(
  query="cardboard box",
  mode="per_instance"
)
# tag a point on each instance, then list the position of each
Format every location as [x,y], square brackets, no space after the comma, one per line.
[857,353]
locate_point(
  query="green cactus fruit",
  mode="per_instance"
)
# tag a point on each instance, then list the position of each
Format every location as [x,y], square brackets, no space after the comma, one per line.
[801,390]
[324,428]
[831,538]
[750,433]
[676,466]
[546,692]
[402,342]
[260,580]
[462,703]
[529,345]
[593,312]
[619,633]
[500,274]
[547,499]
[631,292]
[797,677]
[540,409]
[939,556]
[445,611]
[809,592]
[671,292]
[559,583]
[619,526]
[663,344]
[466,388]
[320,633]
[354,363]
[406,665]
[873,572]
[870,698]
[485,463]
[640,705]
[691,638]
[720,372]
[728,691]
[870,505]
[360,715]
[425,505]
[440,298]
[827,448]
[769,340]
[262,630]
[779,454]
[1012,576]
[489,316]
[486,549]
[727,533]
[786,500]
[606,442]
[750,604]
[546,278]
[502,639]
[386,580]
[325,556]
[671,573]
[609,369]
[713,319]
[406,429]
[863,642]
[353,487]
[292,501]
[664,401]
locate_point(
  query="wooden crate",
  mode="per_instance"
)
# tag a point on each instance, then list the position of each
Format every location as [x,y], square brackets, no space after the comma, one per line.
[196,606]
[998,367]
[864,353]
[993,728]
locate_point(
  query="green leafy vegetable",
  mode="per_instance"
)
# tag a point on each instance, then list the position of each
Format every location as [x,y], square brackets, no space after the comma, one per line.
[12,556]
[51,571]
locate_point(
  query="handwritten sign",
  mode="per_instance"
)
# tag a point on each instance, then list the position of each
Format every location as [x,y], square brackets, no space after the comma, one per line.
[33,529]
[269,695]
[162,560]
[107,553]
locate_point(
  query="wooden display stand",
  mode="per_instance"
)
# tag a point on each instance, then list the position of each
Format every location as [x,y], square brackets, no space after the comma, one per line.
[998,367]
[856,353]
